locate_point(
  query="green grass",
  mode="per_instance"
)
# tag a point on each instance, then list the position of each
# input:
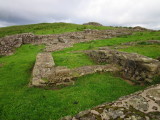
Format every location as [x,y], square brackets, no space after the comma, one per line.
[72,59]
[48,28]
[152,51]
[19,102]
[139,36]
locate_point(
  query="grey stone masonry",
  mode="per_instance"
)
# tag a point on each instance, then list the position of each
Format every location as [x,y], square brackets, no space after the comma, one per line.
[45,73]
[134,66]
[44,63]
[65,76]
[58,41]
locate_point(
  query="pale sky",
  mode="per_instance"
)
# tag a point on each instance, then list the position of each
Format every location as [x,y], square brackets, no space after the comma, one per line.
[145,13]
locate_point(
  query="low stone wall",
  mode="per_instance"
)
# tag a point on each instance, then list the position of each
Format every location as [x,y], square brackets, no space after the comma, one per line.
[45,73]
[153,41]
[44,63]
[65,76]
[93,23]
[134,66]
[142,105]
[141,42]
[58,41]
[9,43]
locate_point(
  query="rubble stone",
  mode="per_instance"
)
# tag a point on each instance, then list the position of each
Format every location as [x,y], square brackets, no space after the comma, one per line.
[134,66]
[57,41]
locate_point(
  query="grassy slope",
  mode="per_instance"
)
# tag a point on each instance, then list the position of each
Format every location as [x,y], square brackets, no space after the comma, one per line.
[69,58]
[19,102]
[48,28]
[152,51]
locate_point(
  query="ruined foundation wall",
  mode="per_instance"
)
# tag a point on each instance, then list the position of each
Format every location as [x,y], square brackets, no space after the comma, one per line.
[142,105]
[134,66]
[45,73]
[9,43]
[44,63]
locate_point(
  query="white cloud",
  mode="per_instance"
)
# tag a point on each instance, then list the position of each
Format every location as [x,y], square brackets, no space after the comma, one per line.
[107,12]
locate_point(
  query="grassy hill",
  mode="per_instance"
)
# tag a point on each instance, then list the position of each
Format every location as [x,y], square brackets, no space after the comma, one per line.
[19,102]
[48,28]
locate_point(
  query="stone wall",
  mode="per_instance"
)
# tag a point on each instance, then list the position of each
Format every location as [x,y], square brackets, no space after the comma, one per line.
[44,63]
[93,23]
[45,73]
[57,41]
[9,43]
[61,75]
[142,105]
[134,66]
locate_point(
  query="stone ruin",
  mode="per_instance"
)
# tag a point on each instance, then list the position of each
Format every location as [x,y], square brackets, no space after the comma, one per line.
[139,28]
[45,73]
[142,105]
[93,23]
[135,67]
[58,41]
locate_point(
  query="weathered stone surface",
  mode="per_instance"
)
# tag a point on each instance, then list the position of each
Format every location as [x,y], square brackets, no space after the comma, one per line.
[139,28]
[137,106]
[138,102]
[9,43]
[93,23]
[58,41]
[60,76]
[68,39]
[44,63]
[134,66]
[46,74]
[154,41]
[139,42]
[61,39]
[65,76]
[158,58]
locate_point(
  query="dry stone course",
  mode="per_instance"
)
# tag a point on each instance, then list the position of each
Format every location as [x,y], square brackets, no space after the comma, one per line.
[135,67]
[65,76]
[9,43]
[45,73]
[44,63]
[139,42]
[93,23]
[154,41]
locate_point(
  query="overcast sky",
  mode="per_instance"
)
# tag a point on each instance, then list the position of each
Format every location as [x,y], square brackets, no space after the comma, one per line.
[145,13]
